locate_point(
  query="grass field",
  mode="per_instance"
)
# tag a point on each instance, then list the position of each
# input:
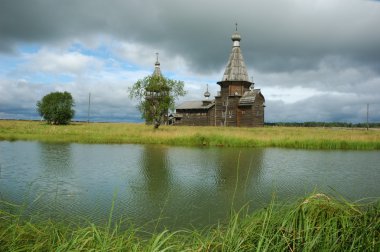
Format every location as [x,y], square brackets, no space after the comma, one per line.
[315,223]
[117,133]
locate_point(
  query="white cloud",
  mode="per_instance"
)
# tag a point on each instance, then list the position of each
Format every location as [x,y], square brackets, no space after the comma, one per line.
[144,55]
[290,95]
[48,60]
[104,77]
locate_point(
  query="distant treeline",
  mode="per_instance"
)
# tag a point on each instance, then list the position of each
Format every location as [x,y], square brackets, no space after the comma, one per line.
[324,124]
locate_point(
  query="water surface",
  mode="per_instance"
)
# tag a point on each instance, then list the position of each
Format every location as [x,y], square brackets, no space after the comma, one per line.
[173,186]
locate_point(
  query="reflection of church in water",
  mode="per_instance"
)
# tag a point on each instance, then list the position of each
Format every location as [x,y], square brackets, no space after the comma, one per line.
[236,104]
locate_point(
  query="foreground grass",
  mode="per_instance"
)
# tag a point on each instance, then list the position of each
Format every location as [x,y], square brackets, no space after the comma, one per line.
[317,223]
[114,133]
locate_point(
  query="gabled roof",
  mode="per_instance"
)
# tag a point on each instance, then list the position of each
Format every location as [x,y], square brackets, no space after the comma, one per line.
[236,69]
[249,97]
[195,105]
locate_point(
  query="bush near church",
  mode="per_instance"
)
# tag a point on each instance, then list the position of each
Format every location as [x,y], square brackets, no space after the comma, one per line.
[56,108]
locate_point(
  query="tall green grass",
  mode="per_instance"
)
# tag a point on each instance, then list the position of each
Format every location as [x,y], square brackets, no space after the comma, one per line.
[116,133]
[315,223]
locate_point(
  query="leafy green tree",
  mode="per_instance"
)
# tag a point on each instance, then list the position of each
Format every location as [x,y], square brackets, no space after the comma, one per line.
[56,108]
[156,95]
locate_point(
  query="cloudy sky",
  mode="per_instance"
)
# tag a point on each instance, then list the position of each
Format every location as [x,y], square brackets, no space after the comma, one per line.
[314,60]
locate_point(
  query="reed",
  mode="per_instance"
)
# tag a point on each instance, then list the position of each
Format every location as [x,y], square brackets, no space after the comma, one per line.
[314,223]
[117,133]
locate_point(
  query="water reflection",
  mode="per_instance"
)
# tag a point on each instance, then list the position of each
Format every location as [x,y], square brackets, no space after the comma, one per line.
[155,168]
[197,185]
[172,186]
[237,167]
[54,189]
[56,159]
[150,188]
[237,174]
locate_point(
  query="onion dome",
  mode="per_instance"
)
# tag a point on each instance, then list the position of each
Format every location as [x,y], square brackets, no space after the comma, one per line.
[236,36]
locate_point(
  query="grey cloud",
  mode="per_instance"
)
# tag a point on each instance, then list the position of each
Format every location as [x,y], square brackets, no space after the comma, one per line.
[49,21]
[332,74]
[277,36]
[330,46]
[325,108]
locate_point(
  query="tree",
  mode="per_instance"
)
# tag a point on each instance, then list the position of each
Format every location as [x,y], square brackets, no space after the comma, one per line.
[56,107]
[156,95]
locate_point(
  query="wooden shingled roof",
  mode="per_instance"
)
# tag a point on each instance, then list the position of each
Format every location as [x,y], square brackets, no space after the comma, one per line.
[236,69]
[195,105]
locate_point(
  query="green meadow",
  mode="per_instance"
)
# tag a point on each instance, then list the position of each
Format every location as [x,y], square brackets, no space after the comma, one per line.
[133,133]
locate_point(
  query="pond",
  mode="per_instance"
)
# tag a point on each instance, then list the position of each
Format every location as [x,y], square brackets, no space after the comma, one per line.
[175,187]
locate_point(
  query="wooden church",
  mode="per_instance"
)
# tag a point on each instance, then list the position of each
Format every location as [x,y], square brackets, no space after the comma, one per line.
[237,103]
